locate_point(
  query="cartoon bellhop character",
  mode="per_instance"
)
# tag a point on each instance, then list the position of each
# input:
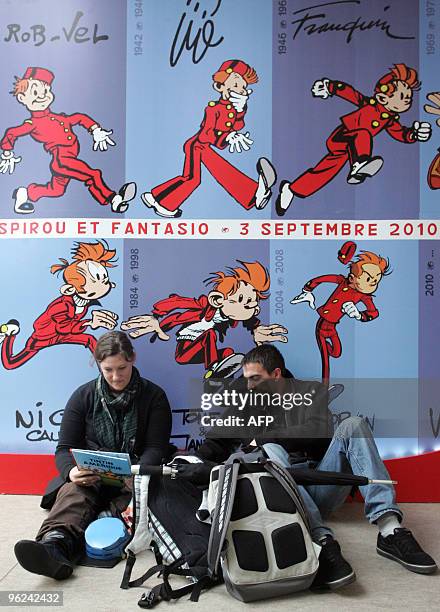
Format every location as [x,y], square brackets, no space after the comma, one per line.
[356,288]
[219,129]
[55,132]
[203,321]
[352,140]
[434,168]
[64,320]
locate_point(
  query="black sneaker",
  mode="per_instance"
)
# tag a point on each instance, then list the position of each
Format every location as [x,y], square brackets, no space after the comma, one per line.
[49,557]
[402,547]
[334,571]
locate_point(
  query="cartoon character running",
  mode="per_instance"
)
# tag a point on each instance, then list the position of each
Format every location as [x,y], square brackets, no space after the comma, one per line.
[434,168]
[203,321]
[55,132]
[220,128]
[352,140]
[364,277]
[63,322]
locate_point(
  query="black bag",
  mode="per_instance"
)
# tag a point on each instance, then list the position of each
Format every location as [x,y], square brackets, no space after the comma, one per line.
[178,539]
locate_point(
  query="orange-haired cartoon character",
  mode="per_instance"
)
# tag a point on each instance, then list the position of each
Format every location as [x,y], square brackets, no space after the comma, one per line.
[55,132]
[220,128]
[352,140]
[63,322]
[365,274]
[203,321]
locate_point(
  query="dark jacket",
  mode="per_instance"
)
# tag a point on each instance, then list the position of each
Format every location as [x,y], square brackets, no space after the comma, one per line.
[304,430]
[150,444]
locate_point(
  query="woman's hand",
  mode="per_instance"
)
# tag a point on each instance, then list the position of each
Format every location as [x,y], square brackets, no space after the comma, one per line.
[83,478]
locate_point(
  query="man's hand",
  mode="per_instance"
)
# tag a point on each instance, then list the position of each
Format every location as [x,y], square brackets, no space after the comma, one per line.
[143,324]
[239,101]
[8,162]
[433,97]
[305,296]
[83,478]
[270,333]
[103,318]
[422,130]
[350,309]
[320,89]
[238,141]
[101,139]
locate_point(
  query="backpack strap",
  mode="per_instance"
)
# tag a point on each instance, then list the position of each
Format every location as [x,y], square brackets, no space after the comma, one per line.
[289,485]
[228,475]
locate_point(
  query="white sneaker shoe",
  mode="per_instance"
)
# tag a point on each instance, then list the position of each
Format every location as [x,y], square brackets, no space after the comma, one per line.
[11,328]
[266,179]
[365,169]
[21,205]
[284,199]
[149,200]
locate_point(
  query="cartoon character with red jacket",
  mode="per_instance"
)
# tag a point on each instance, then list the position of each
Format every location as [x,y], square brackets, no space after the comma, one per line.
[56,134]
[64,321]
[205,320]
[352,140]
[356,288]
[434,168]
[221,127]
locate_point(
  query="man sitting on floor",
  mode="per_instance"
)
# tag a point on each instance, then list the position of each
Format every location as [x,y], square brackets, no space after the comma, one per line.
[301,436]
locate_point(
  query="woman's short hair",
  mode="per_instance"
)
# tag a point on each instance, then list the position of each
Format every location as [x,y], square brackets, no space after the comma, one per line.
[114,343]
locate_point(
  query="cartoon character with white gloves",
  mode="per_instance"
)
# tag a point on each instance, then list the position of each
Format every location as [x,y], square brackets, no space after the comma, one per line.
[221,127]
[55,132]
[65,319]
[352,140]
[366,272]
[204,321]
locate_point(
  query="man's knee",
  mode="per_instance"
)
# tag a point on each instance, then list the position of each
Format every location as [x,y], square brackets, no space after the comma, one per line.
[353,426]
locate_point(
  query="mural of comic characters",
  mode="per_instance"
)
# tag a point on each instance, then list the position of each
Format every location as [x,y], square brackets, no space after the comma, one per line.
[51,355]
[66,319]
[61,68]
[344,115]
[56,134]
[352,297]
[208,91]
[354,324]
[220,128]
[203,322]
[352,140]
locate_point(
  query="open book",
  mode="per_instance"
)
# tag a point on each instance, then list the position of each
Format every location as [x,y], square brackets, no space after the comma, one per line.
[111,467]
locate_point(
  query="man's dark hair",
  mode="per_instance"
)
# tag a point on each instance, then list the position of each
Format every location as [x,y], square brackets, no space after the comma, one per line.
[268,356]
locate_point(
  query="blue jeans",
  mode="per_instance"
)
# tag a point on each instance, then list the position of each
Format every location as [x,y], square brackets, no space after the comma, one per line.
[354,451]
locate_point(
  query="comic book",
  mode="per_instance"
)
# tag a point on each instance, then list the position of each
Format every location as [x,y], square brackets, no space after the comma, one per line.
[111,467]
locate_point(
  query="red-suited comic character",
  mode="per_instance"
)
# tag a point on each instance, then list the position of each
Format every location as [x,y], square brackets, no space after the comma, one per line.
[64,321]
[221,127]
[434,168]
[204,321]
[365,274]
[352,140]
[56,133]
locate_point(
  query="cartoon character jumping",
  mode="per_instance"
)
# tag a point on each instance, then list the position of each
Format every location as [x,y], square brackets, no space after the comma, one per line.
[63,322]
[203,321]
[352,140]
[364,277]
[220,128]
[55,132]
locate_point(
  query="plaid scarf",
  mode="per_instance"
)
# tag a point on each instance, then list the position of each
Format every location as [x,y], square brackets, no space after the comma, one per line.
[115,416]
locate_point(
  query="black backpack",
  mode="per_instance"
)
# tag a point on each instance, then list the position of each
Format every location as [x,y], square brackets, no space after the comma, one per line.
[179,540]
